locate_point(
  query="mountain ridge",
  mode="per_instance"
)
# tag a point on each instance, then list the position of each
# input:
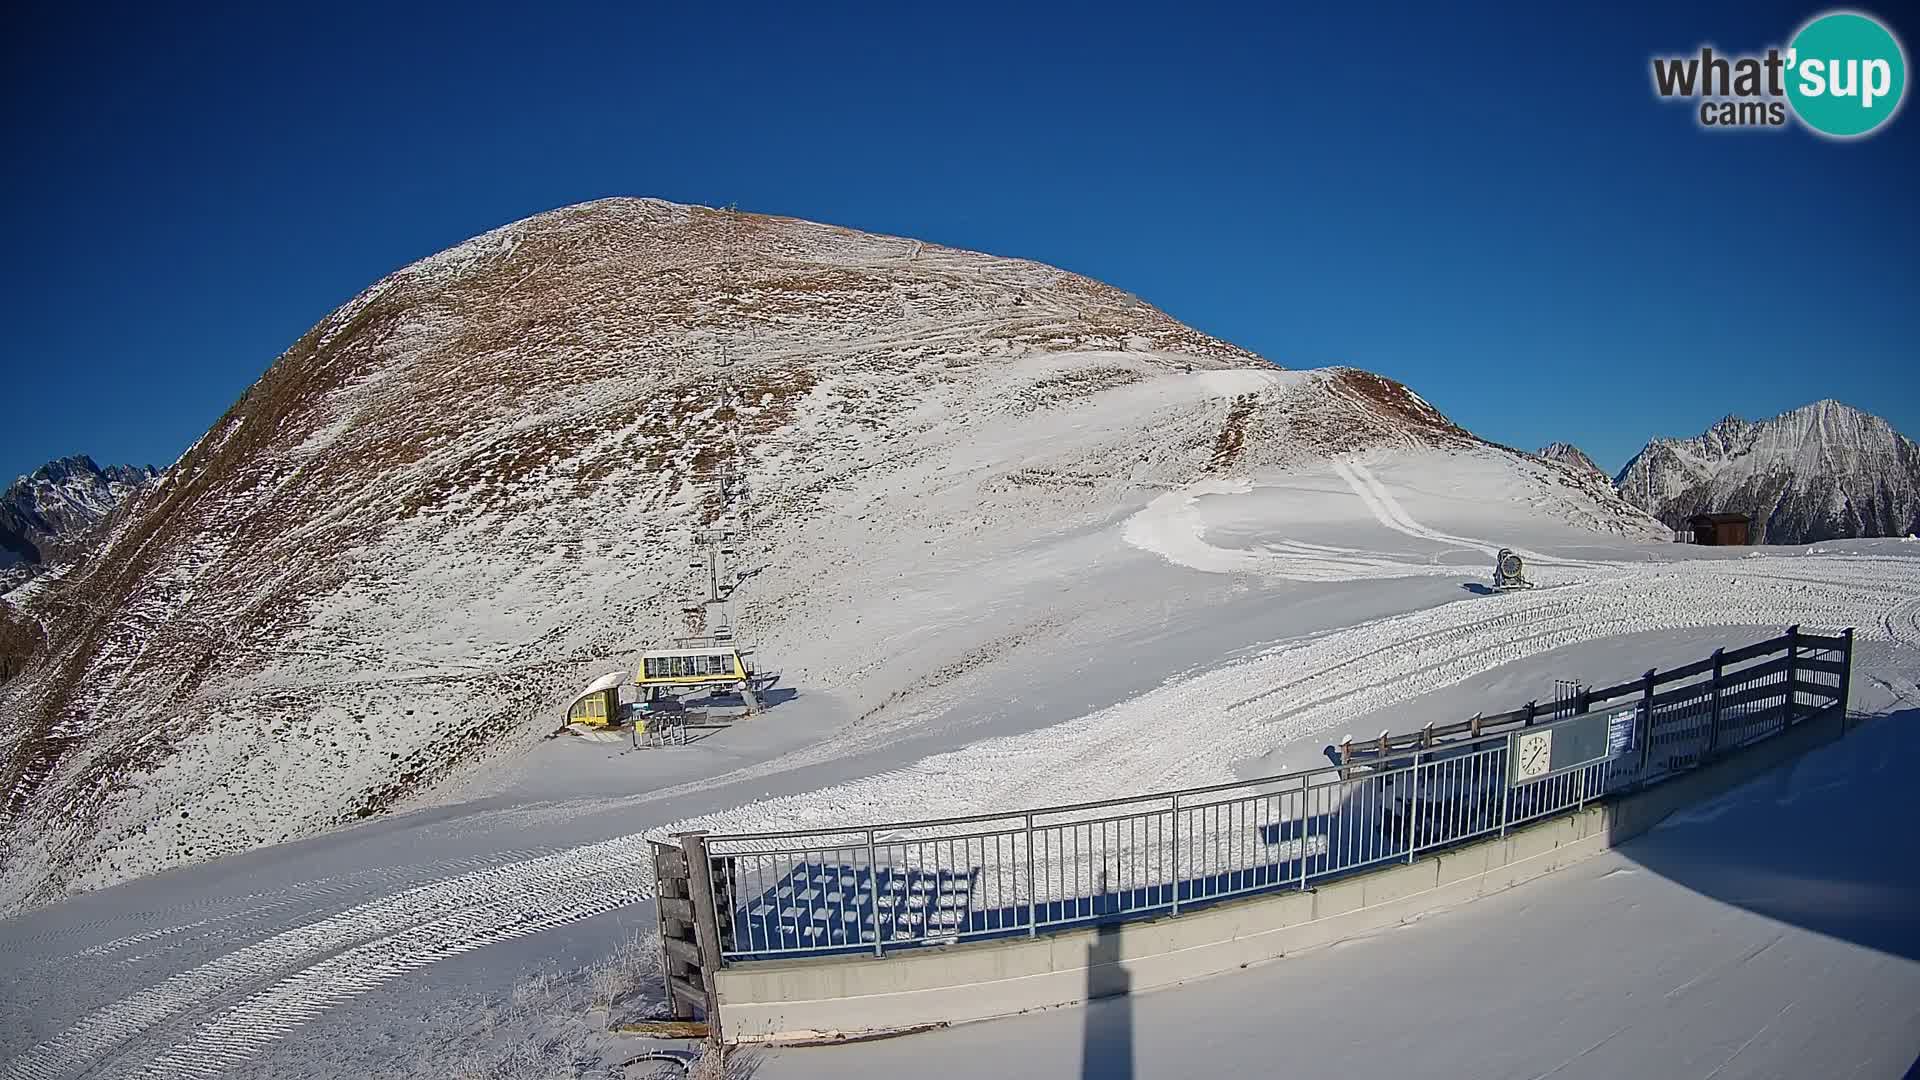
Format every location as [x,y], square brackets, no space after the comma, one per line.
[51,513]
[1825,470]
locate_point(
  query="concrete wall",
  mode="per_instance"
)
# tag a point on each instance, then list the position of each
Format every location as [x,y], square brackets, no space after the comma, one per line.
[849,996]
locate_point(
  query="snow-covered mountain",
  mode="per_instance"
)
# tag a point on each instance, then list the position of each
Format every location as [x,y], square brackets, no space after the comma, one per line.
[1572,457]
[1819,472]
[49,513]
[475,486]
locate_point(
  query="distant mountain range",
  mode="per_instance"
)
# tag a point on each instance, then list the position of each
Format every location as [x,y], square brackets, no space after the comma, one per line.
[1820,472]
[52,512]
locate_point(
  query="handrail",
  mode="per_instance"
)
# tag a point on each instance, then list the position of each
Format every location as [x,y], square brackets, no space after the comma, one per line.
[865,889]
[1634,687]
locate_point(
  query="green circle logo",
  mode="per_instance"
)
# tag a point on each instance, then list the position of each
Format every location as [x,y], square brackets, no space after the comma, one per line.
[1846,74]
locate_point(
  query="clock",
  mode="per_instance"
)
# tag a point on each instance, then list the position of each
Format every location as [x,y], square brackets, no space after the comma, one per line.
[1533,755]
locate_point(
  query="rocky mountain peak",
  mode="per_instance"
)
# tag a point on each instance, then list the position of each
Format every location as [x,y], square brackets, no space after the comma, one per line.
[1821,471]
[1571,456]
[48,514]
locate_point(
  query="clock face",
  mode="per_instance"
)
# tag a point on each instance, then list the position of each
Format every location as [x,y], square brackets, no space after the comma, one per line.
[1534,755]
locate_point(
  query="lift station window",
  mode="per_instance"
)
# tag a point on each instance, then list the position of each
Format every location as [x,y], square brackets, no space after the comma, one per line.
[697,666]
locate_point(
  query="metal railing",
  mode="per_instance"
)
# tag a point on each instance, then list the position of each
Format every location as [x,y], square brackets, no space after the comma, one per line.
[870,889]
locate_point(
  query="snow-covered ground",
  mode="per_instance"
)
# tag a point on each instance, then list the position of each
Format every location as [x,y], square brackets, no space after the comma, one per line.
[1256,698]
[1218,630]
[1770,933]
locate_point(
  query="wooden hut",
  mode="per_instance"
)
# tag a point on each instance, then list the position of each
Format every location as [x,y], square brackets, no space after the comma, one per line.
[1725,530]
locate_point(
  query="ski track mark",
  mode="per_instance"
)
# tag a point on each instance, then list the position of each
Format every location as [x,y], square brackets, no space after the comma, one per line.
[382,939]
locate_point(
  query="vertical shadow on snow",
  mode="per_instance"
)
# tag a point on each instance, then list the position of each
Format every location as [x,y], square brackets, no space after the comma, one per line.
[1106,1051]
[1823,842]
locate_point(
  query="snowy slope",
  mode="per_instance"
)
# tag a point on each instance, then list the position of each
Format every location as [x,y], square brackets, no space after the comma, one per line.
[50,513]
[1820,472]
[474,487]
[1393,516]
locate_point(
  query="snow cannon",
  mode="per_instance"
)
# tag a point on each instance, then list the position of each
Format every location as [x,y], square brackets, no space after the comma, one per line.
[1509,572]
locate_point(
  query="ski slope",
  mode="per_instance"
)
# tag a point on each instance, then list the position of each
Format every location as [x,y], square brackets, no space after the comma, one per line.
[1255,615]
[1302,690]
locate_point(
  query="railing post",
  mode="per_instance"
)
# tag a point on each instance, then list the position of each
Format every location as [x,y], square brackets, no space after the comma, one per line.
[1846,674]
[1306,814]
[1646,723]
[1713,722]
[1506,790]
[1033,886]
[1533,708]
[1793,674]
[1176,847]
[706,924]
[1413,796]
[873,888]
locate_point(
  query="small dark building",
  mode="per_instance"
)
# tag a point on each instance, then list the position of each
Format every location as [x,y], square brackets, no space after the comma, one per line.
[1723,529]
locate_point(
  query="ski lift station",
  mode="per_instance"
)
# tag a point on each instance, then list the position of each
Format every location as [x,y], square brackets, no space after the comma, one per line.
[716,666]
[688,668]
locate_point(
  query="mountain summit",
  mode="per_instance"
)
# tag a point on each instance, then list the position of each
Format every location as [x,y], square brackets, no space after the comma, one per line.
[1819,472]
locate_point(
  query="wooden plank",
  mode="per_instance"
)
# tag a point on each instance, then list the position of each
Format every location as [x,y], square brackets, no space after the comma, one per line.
[668,966]
[676,909]
[1777,664]
[664,1029]
[686,991]
[1631,688]
[1829,667]
[1696,692]
[668,863]
[1829,693]
[1768,692]
[1821,641]
[686,952]
[706,925]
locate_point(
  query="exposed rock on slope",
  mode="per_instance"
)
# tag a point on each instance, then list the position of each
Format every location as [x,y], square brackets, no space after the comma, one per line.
[475,486]
[1572,457]
[1820,472]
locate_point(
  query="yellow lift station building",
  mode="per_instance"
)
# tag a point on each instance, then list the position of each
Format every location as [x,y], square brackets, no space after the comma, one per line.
[678,669]
[599,704]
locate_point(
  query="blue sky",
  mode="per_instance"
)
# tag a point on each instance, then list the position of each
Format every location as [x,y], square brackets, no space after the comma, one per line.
[1488,204]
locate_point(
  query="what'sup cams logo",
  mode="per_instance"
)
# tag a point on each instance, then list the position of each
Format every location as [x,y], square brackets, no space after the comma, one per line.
[1843,75]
